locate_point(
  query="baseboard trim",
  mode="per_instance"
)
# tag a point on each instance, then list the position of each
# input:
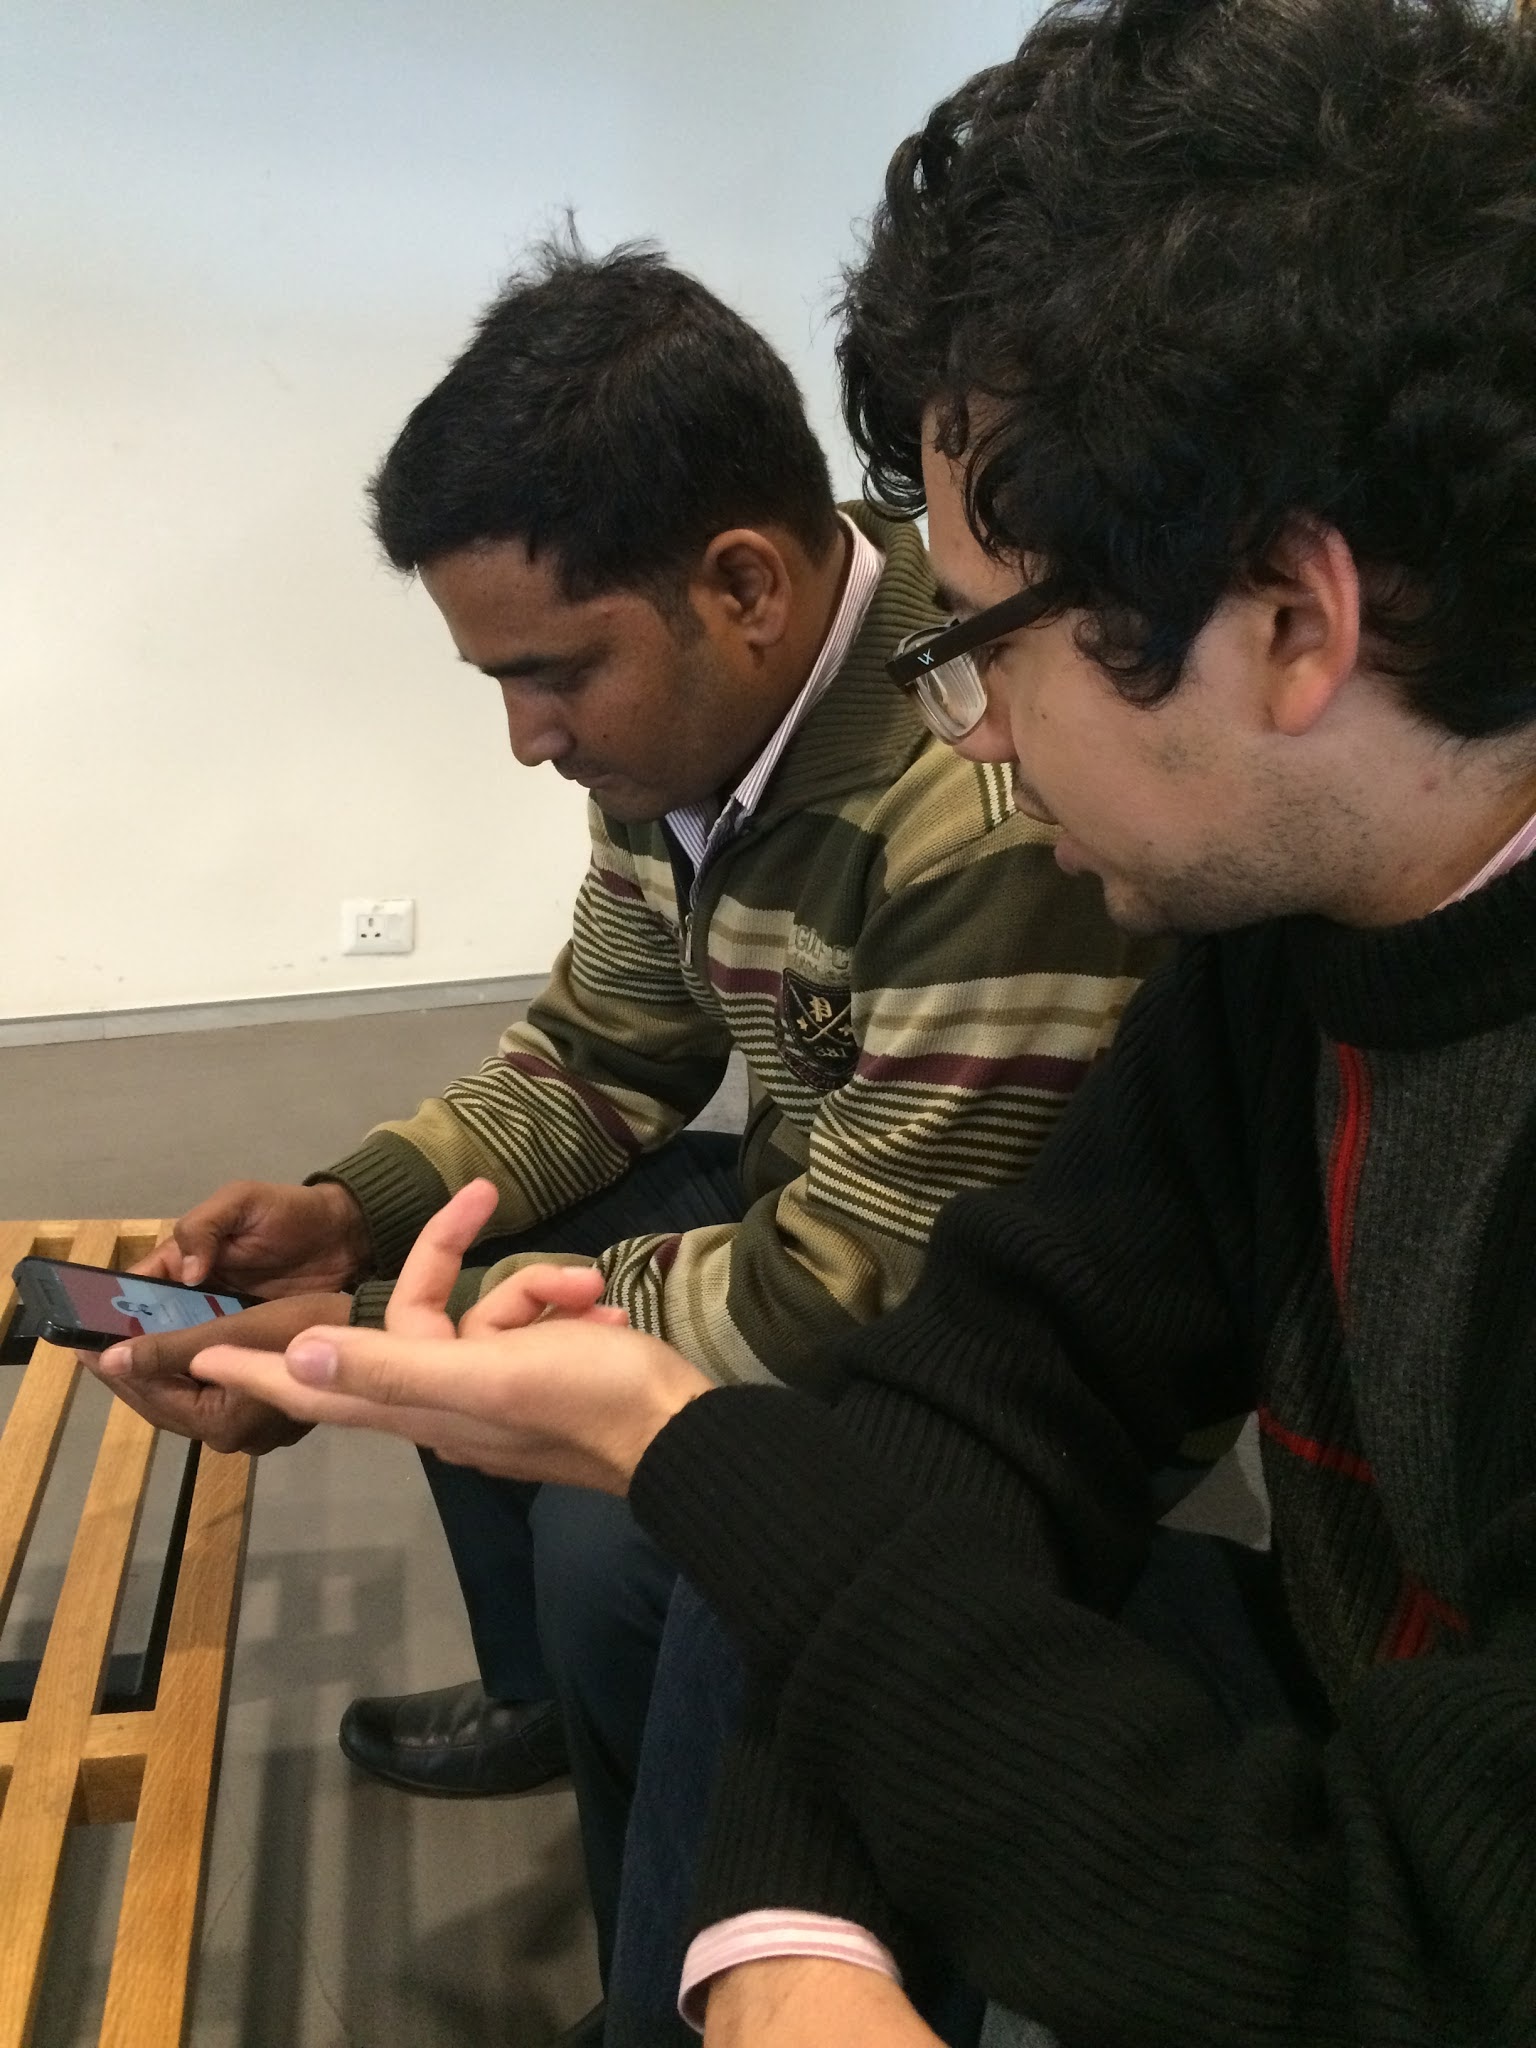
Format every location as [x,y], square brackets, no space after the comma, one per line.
[295,1009]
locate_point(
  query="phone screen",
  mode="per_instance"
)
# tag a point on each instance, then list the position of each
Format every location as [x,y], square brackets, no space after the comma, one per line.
[119,1305]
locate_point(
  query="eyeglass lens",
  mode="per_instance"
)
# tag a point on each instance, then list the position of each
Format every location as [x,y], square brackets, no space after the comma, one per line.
[953,698]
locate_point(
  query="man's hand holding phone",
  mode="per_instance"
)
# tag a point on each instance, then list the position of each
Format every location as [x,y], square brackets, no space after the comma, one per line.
[267,1237]
[297,1245]
[152,1374]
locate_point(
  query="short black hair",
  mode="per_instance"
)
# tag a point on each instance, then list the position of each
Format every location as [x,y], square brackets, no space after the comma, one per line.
[1195,273]
[613,412]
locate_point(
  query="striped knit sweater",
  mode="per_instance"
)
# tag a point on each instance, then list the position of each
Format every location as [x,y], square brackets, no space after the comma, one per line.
[1305,1181]
[915,985]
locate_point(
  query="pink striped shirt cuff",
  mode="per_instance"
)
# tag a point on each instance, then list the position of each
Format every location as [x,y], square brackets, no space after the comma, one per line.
[757,1937]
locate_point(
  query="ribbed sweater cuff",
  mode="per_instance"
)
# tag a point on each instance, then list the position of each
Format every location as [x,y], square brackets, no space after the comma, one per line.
[396,1189]
[768,1506]
[773,1841]
[371,1300]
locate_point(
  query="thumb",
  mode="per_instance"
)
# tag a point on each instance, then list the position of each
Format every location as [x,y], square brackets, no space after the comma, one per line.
[139,1358]
[396,1371]
[199,1244]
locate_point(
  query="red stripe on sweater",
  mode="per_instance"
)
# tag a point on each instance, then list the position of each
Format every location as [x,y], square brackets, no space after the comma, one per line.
[1329,1456]
[620,885]
[1418,1616]
[1045,1071]
[745,981]
[664,1258]
[1346,1159]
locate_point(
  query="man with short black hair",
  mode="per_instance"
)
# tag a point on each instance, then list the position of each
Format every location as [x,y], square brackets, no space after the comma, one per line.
[1226,428]
[616,502]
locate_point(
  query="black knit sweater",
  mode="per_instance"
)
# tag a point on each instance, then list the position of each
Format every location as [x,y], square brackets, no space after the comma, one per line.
[1303,1182]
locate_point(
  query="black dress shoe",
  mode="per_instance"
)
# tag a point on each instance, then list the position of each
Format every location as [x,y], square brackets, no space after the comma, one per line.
[587,2033]
[455,1743]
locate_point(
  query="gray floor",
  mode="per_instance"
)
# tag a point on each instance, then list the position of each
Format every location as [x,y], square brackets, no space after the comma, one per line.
[338,1911]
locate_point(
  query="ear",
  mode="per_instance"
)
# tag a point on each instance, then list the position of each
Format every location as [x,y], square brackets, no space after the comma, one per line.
[1314,627]
[743,584]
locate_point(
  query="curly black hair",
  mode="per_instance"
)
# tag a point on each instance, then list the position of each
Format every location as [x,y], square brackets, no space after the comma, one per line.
[1187,276]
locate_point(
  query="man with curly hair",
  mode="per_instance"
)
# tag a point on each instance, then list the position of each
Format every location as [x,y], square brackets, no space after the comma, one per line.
[1206,331]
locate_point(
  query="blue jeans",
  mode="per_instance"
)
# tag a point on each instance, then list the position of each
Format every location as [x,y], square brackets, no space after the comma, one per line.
[1188,1603]
[566,1596]
[694,1707]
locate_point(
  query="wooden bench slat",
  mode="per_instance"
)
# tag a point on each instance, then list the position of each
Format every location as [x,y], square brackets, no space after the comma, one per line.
[67,1763]
[111,1738]
[148,1990]
[40,1410]
[46,1773]
[136,1236]
[111,1769]
[64,1228]
[16,1242]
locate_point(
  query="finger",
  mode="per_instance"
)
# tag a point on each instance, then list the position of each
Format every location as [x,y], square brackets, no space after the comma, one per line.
[266,1378]
[203,1232]
[419,1303]
[524,1297]
[394,1371]
[200,1243]
[179,1405]
[271,1326]
[153,1358]
[603,1312]
[163,1263]
[221,1417]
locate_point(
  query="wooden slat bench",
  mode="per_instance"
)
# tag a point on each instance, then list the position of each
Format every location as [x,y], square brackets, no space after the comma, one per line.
[70,1763]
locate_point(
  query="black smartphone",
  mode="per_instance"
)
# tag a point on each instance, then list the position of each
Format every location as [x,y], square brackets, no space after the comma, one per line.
[86,1308]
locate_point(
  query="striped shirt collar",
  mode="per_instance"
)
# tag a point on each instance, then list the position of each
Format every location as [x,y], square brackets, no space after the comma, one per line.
[701,830]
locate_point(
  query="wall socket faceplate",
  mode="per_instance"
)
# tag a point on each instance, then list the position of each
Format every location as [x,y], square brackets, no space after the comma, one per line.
[369,925]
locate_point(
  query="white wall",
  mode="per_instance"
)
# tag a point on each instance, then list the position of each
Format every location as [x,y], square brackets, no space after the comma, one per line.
[240,238]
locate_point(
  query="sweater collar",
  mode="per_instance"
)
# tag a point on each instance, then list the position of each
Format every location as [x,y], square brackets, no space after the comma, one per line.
[1467,968]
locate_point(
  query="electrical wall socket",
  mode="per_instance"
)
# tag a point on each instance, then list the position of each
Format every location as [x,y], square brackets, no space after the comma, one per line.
[368,926]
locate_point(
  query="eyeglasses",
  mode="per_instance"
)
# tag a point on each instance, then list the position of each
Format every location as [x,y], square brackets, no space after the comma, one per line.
[939,664]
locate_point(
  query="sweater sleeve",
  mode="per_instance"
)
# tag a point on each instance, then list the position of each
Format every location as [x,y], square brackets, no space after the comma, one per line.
[968,1033]
[613,1057]
[919,1578]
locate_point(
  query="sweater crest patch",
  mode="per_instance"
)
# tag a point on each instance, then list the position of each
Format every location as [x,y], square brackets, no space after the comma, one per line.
[814,1029]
